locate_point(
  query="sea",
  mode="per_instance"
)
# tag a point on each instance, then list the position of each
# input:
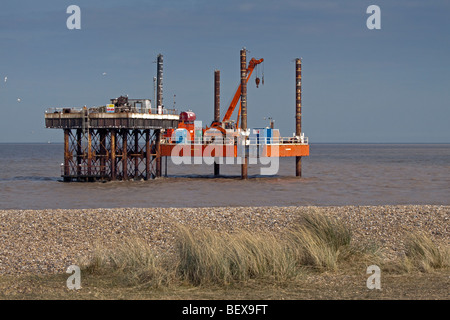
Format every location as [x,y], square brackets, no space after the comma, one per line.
[333,174]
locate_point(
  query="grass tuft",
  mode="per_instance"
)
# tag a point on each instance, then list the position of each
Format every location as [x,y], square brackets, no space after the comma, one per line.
[325,242]
[204,256]
[134,262]
[208,256]
[425,255]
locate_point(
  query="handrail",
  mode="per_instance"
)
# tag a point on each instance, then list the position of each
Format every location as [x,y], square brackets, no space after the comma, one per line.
[102,109]
[231,140]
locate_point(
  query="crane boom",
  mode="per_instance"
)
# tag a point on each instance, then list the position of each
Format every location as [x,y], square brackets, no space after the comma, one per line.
[251,65]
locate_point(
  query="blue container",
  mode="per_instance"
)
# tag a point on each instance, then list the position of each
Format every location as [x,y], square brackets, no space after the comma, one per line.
[268,135]
[181,136]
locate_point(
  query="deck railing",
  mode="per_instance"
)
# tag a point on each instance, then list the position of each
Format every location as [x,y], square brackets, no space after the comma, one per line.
[217,140]
[103,109]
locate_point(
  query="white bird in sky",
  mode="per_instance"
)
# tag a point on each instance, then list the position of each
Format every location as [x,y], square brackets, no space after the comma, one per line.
[18,100]
[6,78]
[104,73]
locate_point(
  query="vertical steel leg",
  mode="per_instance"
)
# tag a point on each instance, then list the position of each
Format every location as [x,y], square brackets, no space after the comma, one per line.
[113,155]
[298,111]
[244,165]
[147,155]
[158,152]
[136,151]
[124,155]
[66,155]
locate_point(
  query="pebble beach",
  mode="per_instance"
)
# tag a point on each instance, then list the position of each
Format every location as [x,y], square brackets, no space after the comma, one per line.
[48,241]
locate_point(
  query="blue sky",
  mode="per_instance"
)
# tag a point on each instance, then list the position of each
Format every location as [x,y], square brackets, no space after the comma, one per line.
[359,85]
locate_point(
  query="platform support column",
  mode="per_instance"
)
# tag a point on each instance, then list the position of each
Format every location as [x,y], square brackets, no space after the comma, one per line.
[148,155]
[136,152]
[113,155]
[89,154]
[66,155]
[103,152]
[244,165]
[158,152]
[216,113]
[298,111]
[165,167]
[79,151]
[159,105]
[124,155]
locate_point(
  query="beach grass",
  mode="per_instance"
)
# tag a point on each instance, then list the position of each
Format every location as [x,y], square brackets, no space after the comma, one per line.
[422,254]
[209,257]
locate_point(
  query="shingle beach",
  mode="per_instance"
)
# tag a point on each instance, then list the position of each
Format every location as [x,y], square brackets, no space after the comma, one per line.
[48,241]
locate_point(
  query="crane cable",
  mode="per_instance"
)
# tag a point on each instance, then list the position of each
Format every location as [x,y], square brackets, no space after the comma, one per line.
[263,73]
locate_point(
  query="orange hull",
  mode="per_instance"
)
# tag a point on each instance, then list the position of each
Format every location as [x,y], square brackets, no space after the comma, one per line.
[287,150]
[198,150]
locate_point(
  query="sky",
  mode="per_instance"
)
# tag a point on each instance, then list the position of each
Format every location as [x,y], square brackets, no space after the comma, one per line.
[390,85]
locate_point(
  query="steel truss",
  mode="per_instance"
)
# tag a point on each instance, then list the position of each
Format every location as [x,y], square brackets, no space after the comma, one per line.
[110,154]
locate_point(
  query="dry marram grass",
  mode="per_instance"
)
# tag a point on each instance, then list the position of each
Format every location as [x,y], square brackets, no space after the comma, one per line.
[425,255]
[206,256]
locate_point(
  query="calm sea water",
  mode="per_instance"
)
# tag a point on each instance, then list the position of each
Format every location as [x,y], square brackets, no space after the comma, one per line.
[334,174]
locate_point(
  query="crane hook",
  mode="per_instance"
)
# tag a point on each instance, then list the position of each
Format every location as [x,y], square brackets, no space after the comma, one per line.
[257,82]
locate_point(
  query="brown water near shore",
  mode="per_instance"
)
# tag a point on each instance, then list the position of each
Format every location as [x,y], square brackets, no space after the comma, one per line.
[334,174]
